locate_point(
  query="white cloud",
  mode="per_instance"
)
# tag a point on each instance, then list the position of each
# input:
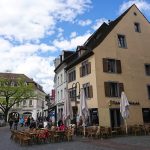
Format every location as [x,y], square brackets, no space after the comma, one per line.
[73,34]
[35,67]
[24,24]
[4,45]
[72,43]
[143,5]
[84,22]
[23,59]
[98,23]
[32,19]
[40,70]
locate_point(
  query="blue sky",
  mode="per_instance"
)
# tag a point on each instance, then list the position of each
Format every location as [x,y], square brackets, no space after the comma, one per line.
[33,32]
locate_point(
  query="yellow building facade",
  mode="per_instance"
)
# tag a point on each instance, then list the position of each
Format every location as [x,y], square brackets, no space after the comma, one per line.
[118,54]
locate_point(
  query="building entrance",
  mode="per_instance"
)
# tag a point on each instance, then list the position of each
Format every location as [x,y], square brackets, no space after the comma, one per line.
[115,117]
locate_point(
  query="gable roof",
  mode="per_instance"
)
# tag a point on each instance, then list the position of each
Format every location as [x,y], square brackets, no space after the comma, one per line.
[98,37]
[16,76]
[101,33]
[69,55]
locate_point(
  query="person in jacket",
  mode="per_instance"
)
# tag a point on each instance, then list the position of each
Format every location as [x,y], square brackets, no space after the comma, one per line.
[10,120]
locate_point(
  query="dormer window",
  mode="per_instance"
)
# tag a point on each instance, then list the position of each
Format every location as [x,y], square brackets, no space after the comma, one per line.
[81,50]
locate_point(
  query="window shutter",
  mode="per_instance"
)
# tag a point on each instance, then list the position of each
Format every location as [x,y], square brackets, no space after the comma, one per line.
[91,91]
[81,72]
[105,66]
[121,88]
[106,86]
[119,70]
[89,67]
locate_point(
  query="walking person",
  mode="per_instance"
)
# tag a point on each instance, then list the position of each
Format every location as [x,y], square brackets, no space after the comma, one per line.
[21,121]
[16,124]
[10,120]
[28,121]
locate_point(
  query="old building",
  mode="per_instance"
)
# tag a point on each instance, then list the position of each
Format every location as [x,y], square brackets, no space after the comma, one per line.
[60,82]
[30,107]
[115,58]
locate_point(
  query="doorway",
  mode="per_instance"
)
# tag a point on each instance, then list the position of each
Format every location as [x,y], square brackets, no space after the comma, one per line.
[115,117]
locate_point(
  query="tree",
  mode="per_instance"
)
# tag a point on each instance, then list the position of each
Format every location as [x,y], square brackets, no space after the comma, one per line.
[13,91]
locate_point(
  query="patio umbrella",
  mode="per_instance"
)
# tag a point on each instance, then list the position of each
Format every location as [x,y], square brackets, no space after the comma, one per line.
[67,113]
[124,109]
[84,112]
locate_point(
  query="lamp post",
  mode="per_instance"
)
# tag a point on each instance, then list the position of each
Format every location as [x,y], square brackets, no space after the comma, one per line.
[76,86]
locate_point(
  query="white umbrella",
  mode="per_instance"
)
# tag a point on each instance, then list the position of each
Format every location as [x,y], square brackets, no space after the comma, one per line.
[67,112]
[84,112]
[124,108]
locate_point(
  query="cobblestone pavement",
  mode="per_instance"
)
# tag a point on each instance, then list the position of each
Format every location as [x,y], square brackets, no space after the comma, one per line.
[79,143]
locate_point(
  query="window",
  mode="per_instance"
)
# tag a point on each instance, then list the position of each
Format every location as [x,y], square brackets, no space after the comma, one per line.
[146,115]
[88,90]
[58,96]
[58,80]
[148,88]
[85,69]
[111,65]
[24,103]
[12,83]
[122,41]
[137,27]
[135,14]
[30,102]
[113,89]
[147,69]
[71,76]
[17,104]
[61,78]
[61,94]
[72,94]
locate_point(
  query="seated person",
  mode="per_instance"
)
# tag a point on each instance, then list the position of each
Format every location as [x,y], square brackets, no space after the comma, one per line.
[62,127]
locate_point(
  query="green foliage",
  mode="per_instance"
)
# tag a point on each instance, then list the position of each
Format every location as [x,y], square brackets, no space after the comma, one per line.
[13,91]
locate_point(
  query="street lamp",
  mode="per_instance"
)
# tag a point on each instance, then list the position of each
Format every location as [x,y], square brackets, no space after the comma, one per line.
[76,86]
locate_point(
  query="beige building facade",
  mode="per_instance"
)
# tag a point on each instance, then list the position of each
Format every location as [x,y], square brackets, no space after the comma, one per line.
[128,43]
[115,58]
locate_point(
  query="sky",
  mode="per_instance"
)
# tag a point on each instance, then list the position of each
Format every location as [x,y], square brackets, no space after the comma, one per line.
[34,32]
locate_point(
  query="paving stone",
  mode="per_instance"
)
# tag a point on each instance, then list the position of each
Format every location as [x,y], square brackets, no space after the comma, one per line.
[79,143]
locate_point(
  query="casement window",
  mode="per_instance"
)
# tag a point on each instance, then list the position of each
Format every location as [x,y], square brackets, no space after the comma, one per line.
[113,89]
[85,68]
[58,96]
[122,41]
[17,104]
[24,103]
[88,90]
[137,27]
[30,102]
[111,65]
[146,115]
[61,78]
[58,80]
[147,69]
[72,94]
[61,94]
[71,76]
[148,90]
